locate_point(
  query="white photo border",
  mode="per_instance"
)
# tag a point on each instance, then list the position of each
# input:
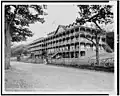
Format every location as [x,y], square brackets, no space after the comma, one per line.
[59,3]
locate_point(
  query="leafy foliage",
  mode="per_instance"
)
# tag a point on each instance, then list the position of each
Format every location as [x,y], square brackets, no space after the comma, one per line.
[19,16]
[21,49]
[98,14]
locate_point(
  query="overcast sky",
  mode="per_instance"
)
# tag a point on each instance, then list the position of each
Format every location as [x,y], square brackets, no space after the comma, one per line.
[57,15]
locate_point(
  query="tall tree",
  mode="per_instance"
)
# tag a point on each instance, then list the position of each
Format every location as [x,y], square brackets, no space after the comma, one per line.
[97,14]
[17,20]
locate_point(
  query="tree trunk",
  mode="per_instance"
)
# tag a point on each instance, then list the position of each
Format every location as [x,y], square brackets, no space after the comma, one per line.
[97,50]
[7,46]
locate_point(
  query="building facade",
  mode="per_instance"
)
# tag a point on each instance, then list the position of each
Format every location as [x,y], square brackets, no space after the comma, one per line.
[73,42]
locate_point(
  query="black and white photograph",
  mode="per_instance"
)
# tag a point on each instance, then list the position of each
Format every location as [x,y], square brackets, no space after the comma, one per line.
[59,47]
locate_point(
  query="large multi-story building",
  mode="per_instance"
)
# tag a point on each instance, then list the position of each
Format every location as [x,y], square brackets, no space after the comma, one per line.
[69,42]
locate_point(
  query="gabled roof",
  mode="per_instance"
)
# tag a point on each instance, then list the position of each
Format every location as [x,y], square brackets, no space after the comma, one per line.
[61,27]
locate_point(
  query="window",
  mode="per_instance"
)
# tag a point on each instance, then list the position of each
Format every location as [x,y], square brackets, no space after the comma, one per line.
[76,54]
[72,54]
[77,47]
[63,55]
[68,55]
[82,53]
[77,29]
[72,48]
